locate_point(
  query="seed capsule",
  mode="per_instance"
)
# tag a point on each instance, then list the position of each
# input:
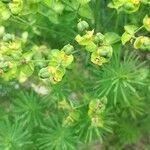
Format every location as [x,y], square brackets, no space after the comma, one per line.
[68,49]
[82,25]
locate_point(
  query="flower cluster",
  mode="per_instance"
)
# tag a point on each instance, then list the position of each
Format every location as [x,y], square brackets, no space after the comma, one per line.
[96,110]
[14,62]
[140,42]
[59,60]
[128,6]
[98,44]
[8,7]
[18,60]
[72,113]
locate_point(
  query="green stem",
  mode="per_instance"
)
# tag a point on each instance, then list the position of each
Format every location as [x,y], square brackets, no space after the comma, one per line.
[117,21]
[139,29]
[77,11]
[68,5]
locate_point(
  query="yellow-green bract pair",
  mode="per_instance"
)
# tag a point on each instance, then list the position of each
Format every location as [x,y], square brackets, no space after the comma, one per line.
[98,45]
[129,6]
[14,7]
[96,109]
[141,42]
[59,60]
[72,114]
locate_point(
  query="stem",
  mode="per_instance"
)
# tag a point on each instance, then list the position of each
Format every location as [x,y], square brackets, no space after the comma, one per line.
[68,5]
[117,21]
[139,29]
[77,10]
[97,15]
[22,20]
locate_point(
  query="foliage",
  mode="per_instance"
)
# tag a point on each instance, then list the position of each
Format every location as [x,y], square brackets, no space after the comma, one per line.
[74,74]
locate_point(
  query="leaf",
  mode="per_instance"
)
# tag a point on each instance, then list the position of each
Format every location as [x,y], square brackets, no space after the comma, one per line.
[91,47]
[27,69]
[57,75]
[142,42]
[146,22]
[85,11]
[85,39]
[125,37]
[111,38]
[130,29]
[97,59]
[4,12]
[105,51]
[16,7]
[67,60]
[83,2]
[48,2]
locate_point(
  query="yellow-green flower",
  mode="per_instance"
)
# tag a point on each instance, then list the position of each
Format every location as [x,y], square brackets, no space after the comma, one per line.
[142,42]
[146,22]
[85,39]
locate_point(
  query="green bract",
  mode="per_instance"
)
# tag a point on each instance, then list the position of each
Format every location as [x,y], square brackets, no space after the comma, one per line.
[130,29]
[111,38]
[16,6]
[97,106]
[96,110]
[125,37]
[56,75]
[97,121]
[146,22]
[57,64]
[85,39]
[102,55]
[4,12]
[129,33]
[71,118]
[83,2]
[91,47]
[142,43]
[129,6]
[99,45]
